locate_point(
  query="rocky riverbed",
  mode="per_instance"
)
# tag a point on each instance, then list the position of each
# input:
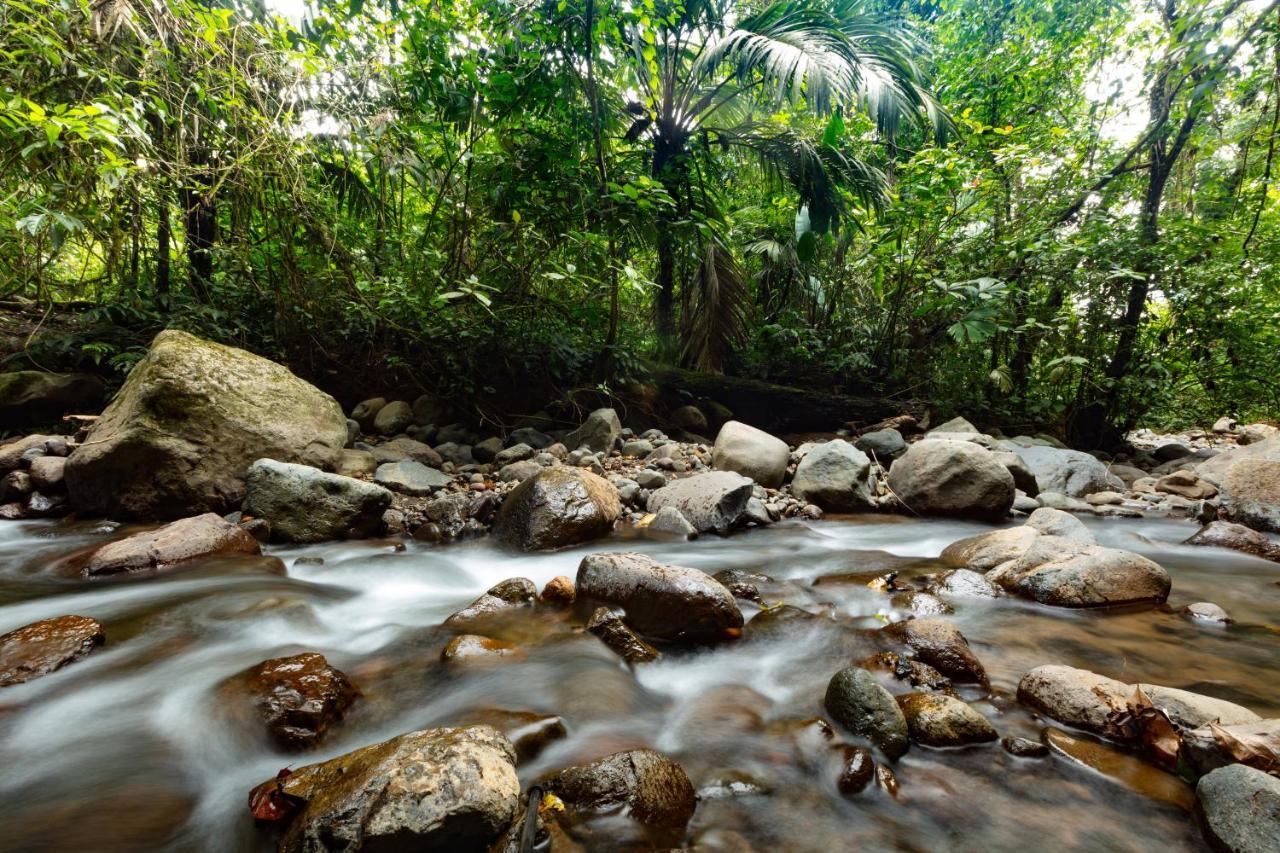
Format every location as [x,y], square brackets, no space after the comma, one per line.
[305,628]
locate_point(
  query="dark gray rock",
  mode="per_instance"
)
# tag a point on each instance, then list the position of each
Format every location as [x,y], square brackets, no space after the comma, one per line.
[860,704]
[836,477]
[669,603]
[304,504]
[952,478]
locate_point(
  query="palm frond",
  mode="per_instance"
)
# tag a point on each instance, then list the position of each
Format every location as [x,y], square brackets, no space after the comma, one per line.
[715,310]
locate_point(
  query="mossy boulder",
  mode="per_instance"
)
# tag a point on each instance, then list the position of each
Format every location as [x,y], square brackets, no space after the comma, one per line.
[191,417]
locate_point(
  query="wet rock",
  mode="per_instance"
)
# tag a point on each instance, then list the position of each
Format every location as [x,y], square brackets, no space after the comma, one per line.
[529,732]
[16,486]
[952,478]
[885,445]
[1069,472]
[1207,611]
[46,646]
[857,702]
[613,632]
[1067,573]
[714,501]
[304,504]
[559,590]
[177,438]
[411,478]
[653,789]
[469,648]
[1024,748]
[741,584]
[857,770]
[169,546]
[920,603]
[751,452]
[965,583]
[34,396]
[503,596]
[1239,809]
[669,603]
[598,433]
[1225,534]
[835,476]
[1251,493]
[913,672]
[300,698]
[436,789]
[731,783]
[1097,704]
[934,719]
[886,780]
[557,507]
[47,472]
[43,505]
[1076,697]
[1121,768]
[941,645]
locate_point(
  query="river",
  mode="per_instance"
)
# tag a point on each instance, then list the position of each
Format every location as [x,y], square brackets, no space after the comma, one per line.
[137,747]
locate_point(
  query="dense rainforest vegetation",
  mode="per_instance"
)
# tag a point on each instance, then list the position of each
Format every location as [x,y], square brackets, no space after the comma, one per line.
[1060,213]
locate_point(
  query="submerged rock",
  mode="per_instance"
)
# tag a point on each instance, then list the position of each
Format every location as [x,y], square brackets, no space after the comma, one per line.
[935,719]
[670,603]
[46,646]
[858,702]
[752,452]
[166,547]
[653,789]
[191,417]
[300,698]
[952,478]
[436,789]
[558,507]
[1237,537]
[1239,809]
[715,501]
[613,632]
[304,504]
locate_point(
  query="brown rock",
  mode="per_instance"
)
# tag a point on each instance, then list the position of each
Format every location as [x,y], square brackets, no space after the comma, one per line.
[653,788]
[467,648]
[614,633]
[161,549]
[941,645]
[1225,534]
[558,507]
[937,720]
[857,770]
[300,698]
[1186,484]
[529,732]
[46,646]
[559,590]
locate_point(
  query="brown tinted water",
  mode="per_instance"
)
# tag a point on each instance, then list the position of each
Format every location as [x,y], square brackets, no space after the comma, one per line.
[135,747]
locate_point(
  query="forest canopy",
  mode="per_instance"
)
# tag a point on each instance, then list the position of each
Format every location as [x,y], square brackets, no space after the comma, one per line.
[1054,213]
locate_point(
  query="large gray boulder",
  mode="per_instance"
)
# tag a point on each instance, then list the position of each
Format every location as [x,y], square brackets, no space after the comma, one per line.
[665,602]
[952,478]
[712,501]
[1239,809]
[751,452]
[557,507]
[1251,493]
[598,433]
[30,397]
[304,504]
[436,789]
[189,420]
[1214,468]
[835,476]
[1069,472]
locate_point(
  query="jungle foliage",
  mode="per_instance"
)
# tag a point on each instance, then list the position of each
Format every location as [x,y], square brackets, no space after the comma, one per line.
[1051,212]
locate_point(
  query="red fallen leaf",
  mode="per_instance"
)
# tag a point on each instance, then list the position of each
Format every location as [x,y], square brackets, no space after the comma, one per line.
[269,803]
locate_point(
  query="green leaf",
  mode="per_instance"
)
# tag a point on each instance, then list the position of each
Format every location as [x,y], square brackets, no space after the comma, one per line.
[835,130]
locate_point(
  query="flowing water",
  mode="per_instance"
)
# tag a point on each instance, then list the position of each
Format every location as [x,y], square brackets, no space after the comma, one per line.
[137,747]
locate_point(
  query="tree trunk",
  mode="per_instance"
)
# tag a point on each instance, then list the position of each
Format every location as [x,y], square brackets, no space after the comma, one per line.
[201,222]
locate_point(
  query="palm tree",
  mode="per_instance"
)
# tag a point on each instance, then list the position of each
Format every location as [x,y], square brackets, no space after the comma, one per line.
[702,70]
